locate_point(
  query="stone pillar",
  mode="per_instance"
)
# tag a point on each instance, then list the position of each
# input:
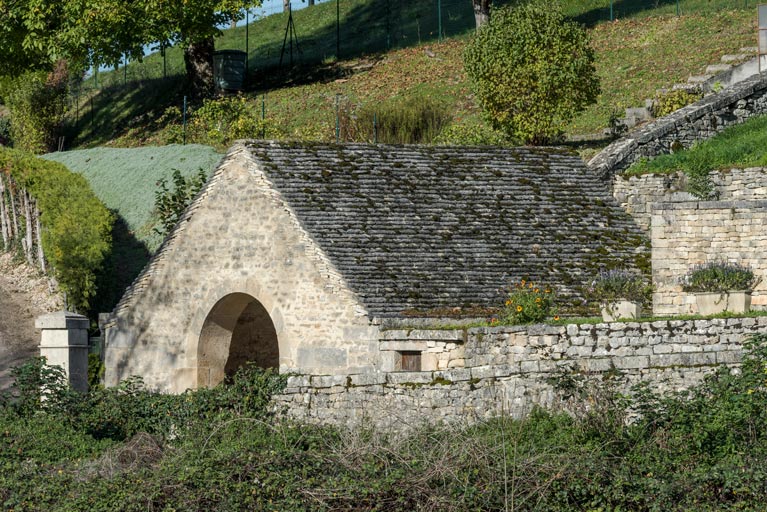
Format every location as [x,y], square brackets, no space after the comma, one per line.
[64,342]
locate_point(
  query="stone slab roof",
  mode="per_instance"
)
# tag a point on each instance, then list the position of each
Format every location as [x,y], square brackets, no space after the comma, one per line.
[419,228]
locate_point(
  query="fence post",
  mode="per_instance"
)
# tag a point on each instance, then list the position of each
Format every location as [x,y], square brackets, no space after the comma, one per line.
[247,42]
[611,11]
[184,120]
[338,123]
[64,342]
[375,127]
[338,30]
[439,20]
[263,116]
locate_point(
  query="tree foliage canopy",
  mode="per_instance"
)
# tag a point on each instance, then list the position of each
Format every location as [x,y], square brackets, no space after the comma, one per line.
[36,33]
[532,71]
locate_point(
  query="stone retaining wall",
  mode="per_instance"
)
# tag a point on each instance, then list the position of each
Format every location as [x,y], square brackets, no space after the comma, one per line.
[688,233]
[512,369]
[636,194]
[690,124]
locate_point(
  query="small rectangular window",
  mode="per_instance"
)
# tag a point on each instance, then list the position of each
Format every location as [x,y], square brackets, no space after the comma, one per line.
[410,361]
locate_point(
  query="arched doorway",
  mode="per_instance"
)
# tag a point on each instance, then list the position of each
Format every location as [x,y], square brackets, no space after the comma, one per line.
[237,330]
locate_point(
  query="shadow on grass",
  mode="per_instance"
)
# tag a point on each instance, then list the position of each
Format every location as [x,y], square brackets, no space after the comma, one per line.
[121,266]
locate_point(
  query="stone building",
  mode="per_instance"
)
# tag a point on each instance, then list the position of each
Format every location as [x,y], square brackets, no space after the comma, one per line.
[296,256]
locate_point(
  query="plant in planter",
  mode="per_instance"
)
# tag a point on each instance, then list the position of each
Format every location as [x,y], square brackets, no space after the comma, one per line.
[620,293]
[720,286]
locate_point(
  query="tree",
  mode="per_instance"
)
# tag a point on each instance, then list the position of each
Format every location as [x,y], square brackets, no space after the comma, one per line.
[481,12]
[38,33]
[532,71]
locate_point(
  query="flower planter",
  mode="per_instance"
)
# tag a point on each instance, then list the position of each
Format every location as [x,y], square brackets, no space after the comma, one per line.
[612,311]
[713,303]
[739,301]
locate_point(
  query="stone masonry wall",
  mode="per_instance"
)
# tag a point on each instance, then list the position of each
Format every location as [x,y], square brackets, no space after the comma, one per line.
[689,233]
[511,369]
[681,129]
[636,194]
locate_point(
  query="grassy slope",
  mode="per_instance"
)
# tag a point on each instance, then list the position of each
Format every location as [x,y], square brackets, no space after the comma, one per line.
[645,50]
[742,146]
[126,179]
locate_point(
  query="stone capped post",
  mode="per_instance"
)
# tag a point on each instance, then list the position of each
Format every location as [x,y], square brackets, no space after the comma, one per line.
[64,342]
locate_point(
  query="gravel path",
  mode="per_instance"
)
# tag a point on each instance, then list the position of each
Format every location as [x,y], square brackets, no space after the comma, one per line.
[24,295]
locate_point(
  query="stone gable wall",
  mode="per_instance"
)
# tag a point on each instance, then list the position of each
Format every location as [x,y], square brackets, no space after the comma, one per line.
[699,121]
[320,324]
[636,194]
[688,233]
[512,369]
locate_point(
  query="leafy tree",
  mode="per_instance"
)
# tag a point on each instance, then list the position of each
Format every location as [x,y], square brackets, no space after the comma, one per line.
[532,71]
[171,204]
[36,33]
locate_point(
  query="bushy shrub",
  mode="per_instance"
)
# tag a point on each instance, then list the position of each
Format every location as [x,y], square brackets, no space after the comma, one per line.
[532,70]
[170,204]
[76,226]
[611,285]
[37,102]
[219,122]
[671,101]
[527,303]
[719,276]
[472,134]
[5,131]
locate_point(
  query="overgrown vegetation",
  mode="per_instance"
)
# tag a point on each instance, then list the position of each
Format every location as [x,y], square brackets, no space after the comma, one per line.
[532,71]
[219,449]
[37,102]
[619,284]
[742,145]
[171,203]
[719,276]
[76,232]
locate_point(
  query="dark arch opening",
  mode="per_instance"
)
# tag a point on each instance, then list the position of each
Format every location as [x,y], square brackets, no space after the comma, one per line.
[238,330]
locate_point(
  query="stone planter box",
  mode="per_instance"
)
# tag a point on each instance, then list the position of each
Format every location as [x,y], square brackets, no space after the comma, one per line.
[739,301]
[714,303]
[612,311]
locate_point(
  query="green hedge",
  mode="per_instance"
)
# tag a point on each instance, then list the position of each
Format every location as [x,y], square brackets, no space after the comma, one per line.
[76,226]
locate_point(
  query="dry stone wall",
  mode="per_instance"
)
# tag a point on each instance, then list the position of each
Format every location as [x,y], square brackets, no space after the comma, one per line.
[688,125]
[636,194]
[693,232]
[512,369]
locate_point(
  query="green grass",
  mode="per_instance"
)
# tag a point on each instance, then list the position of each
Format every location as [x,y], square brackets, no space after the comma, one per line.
[648,47]
[126,179]
[738,146]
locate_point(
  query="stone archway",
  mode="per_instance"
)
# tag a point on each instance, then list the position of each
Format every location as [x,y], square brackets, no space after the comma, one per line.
[237,330]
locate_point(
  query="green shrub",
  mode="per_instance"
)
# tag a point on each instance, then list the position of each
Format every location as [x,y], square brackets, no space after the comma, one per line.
[719,276]
[532,71]
[37,102]
[170,204]
[671,101]
[527,303]
[472,134]
[614,285]
[219,122]
[76,231]
[411,120]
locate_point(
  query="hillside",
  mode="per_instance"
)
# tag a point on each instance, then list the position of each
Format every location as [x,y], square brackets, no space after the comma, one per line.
[641,51]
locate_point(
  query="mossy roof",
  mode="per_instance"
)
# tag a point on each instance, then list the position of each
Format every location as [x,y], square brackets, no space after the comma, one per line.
[424,228]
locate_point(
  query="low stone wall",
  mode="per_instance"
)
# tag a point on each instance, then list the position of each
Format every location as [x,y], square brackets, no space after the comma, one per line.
[690,124]
[636,194]
[688,233]
[512,369]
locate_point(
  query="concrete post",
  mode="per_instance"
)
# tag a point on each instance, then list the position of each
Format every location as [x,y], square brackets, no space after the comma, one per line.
[64,342]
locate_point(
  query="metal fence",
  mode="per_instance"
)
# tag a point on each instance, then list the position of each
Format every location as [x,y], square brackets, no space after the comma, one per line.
[342,29]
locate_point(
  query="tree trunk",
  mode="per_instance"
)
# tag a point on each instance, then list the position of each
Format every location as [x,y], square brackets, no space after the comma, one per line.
[198,59]
[285,5]
[5,221]
[481,12]
[310,2]
[28,241]
[39,241]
